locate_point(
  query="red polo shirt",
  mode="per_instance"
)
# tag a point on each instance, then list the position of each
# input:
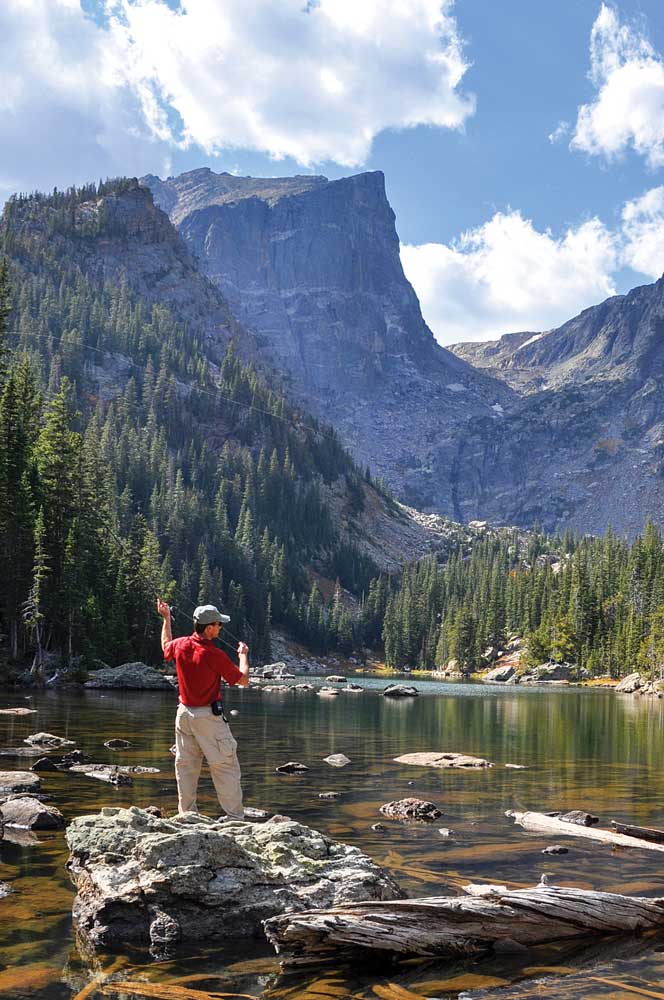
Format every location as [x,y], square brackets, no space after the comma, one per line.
[200,665]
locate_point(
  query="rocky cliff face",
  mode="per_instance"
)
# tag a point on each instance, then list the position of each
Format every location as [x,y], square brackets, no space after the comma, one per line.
[563,428]
[312,267]
[585,445]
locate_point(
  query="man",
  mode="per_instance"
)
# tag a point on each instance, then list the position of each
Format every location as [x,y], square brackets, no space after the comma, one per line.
[199,732]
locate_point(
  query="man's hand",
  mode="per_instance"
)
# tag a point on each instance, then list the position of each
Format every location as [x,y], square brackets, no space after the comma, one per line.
[163,609]
[242,652]
[165,612]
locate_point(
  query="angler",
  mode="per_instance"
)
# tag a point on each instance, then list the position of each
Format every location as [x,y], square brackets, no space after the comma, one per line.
[201,728]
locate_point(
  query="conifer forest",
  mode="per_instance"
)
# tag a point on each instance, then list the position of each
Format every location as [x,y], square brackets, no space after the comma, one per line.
[135,462]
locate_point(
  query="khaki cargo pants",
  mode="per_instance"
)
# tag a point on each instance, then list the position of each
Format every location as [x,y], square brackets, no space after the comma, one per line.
[198,734]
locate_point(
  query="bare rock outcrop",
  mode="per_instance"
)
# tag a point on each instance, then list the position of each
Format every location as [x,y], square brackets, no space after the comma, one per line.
[631,683]
[144,879]
[134,676]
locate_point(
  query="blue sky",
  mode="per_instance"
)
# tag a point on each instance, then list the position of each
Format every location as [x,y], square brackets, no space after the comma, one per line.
[522,142]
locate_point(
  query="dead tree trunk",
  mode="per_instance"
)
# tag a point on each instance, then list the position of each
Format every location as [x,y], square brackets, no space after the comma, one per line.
[540,823]
[460,925]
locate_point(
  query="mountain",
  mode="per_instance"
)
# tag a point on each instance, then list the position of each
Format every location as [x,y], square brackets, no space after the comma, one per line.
[312,268]
[584,447]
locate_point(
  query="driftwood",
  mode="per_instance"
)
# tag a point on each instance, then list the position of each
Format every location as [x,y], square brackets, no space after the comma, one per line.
[164,992]
[540,823]
[471,924]
[644,832]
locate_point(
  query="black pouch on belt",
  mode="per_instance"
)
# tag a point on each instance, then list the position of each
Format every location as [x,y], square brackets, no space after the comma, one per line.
[217,708]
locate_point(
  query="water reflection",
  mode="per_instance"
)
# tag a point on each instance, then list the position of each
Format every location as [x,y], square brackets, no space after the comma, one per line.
[581,749]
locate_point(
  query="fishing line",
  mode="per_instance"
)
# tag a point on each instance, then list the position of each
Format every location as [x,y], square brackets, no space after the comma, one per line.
[125,546]
[108,354]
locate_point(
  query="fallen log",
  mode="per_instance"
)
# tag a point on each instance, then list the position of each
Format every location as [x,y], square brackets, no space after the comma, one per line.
[644,832]
[540,823]
[471,924]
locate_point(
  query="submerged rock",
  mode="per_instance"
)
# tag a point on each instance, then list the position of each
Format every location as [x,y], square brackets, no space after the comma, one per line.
[141,879]
[337,760]
[47,740]
[292,767]
[418,809]
[117,744]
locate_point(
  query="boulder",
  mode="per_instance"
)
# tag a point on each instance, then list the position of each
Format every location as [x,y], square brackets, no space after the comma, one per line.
[335,679]
[48,741]
[304,687]
[28,813]
[18,781]
[400,691]
[337,760]
[417,809]
[500,675]
[326,692]
[438,759]
[141,879]
[554,672]
[353,687]
[45,764]
[134,676]
[631,683]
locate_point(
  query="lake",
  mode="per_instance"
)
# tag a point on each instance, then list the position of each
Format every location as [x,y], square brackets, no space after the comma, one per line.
[580,748]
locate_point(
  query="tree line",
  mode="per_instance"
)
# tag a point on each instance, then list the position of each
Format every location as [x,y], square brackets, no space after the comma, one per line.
[595,602]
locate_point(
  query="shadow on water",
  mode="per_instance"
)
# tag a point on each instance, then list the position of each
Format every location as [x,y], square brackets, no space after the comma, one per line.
[580,749]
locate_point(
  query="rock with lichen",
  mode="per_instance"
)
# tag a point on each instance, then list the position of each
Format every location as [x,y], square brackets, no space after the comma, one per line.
[142,879]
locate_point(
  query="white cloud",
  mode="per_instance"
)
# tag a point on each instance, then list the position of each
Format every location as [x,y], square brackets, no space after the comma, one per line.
[628,109]
[559,133]
[315,82]
[506,276]
[82,98]
[643,233]
[65,116]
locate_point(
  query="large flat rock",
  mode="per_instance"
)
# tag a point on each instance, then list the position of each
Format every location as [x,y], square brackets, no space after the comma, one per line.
[142,879]
[439,759]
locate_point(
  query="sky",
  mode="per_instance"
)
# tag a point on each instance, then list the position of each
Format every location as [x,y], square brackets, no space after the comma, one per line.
[522,142]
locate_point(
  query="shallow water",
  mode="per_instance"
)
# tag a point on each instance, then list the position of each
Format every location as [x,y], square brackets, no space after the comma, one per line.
[581,749]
